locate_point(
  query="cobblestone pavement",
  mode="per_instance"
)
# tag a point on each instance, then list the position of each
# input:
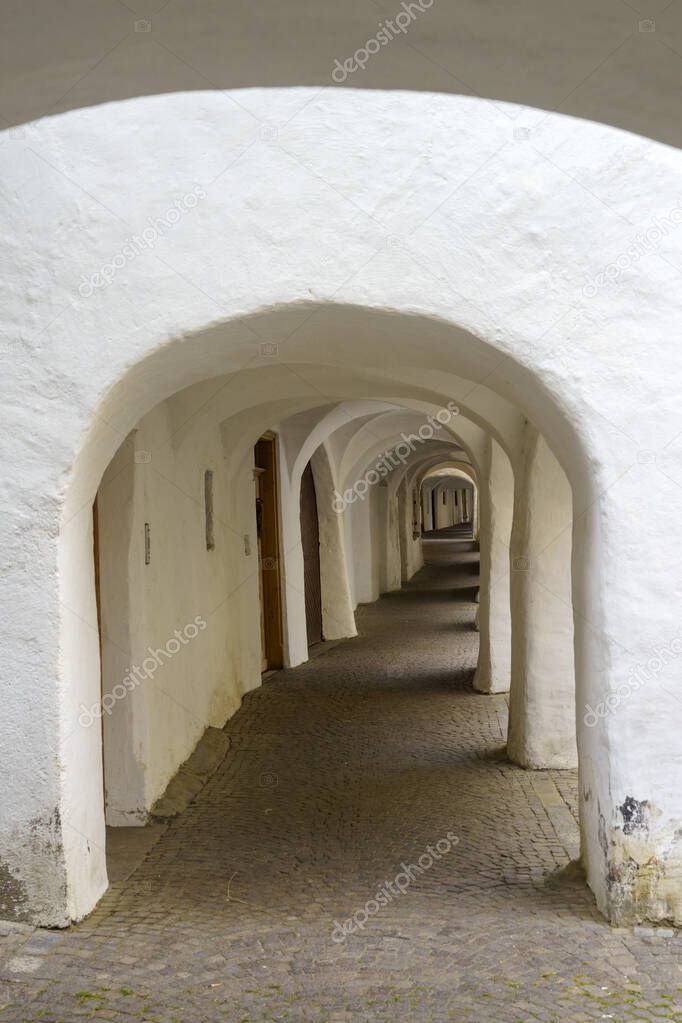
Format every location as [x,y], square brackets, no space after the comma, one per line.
[340,772]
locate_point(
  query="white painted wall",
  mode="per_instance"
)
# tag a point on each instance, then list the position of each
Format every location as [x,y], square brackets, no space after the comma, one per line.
[308,261]
[196,680]
[155,724]
[411,554]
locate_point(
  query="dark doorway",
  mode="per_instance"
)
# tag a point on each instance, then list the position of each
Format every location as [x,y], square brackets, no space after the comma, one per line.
[310,539]
[267,524]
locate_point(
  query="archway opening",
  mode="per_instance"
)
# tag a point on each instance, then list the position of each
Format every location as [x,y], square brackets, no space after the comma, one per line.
[236,410]
[194,516]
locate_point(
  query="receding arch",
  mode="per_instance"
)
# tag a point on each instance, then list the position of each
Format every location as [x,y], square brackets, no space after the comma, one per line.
[426,320]
[117,414]
[461,469]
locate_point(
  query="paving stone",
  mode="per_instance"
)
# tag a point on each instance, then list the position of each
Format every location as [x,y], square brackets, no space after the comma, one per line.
[328,780]
[23,964]
[9,927]
[41,942]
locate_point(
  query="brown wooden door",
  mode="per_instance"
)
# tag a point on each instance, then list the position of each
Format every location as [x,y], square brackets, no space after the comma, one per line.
[310,538]
[267,521]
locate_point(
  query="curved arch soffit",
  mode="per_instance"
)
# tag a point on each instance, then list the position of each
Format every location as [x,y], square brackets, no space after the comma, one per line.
[170,369]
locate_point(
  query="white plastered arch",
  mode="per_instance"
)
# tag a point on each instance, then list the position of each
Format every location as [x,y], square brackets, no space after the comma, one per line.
[318,277]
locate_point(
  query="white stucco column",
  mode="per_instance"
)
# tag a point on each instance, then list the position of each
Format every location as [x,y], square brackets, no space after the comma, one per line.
[124,725]
[293,577]
[361,550]
[392,574]
[338,620]
[475,514]
[404,540]
[494,616]
[542,699]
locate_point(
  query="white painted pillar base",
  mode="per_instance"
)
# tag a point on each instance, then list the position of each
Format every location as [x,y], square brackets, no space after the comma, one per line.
[338,620]
[493,672]
[542,699]
[392,575]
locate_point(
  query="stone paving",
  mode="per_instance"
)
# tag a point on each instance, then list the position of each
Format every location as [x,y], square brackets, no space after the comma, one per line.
[339,776]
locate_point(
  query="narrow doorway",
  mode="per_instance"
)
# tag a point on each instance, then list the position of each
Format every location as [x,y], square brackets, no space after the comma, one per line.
[310,540]
[267,528]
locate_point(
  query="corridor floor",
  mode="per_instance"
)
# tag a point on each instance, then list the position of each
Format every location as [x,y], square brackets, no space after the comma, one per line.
[339,776]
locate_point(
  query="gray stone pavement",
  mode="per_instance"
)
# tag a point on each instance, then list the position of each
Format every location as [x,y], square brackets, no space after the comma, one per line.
[338,776]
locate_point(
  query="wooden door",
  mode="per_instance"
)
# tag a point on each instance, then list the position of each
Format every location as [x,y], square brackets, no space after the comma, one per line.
[257,473]
[310,539]
[267,523]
